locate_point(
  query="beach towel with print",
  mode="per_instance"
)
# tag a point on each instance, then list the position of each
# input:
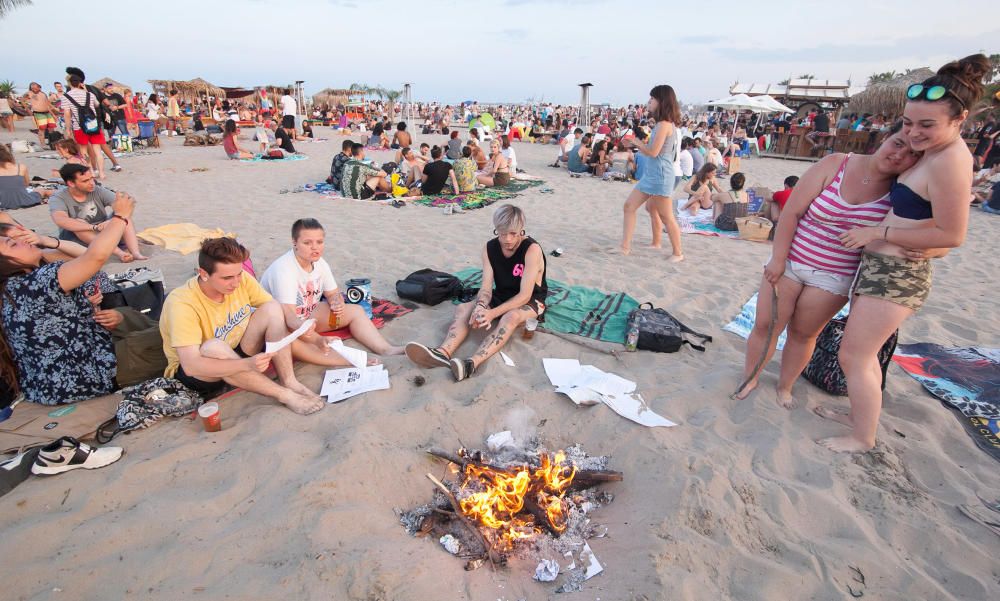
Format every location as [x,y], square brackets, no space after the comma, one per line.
[967,379]
[743,323]
[383,311]
[479,198]
[702,224]
[579,310]
[259,158]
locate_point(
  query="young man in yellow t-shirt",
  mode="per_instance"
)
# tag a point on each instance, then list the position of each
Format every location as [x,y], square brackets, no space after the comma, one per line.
[214,328]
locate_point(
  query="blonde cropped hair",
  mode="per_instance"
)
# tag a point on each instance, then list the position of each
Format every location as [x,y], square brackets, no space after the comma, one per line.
[508,218]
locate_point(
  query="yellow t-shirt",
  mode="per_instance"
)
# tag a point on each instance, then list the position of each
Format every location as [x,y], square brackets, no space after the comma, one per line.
[190,318]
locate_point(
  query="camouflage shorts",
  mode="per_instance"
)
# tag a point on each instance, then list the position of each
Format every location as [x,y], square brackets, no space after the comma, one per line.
[894,279]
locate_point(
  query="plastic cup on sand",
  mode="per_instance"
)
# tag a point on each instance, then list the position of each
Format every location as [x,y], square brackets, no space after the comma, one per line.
[529,329]
[448,209]
[210,417]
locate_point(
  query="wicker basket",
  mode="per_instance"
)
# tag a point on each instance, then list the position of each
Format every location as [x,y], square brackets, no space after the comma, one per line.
[754,228]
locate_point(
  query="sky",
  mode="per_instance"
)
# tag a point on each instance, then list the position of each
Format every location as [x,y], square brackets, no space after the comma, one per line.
[493,51]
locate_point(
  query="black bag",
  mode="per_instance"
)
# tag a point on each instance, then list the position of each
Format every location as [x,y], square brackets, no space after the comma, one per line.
[824,368]
[88,120]
[52,136]
[140,289]
[428,286]
[660,331]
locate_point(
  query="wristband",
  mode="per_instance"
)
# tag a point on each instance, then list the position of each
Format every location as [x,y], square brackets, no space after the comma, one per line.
[120,217]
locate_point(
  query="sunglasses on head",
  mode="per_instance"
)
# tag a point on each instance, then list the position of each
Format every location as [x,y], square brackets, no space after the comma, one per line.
[931,93]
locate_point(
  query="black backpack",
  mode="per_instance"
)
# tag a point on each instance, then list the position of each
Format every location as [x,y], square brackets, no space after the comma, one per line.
[824,369]
[88,119]
[660,331]
[428,286]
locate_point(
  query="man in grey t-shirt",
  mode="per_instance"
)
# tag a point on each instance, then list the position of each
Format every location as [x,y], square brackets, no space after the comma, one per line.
[82,209]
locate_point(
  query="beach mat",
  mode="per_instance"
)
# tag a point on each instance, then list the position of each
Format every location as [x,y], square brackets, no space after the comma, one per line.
[702,224]
[578,310]
[184,238]
[259,158]
[743,323]
[33,424]
[477,199]
[383,312]
[966,380]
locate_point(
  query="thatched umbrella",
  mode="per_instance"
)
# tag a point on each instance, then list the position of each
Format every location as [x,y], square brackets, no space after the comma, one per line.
[116,86]
[331,97]
[189,91]
[889,97]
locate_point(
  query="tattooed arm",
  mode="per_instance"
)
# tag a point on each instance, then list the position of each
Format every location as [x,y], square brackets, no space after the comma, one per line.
[480,311]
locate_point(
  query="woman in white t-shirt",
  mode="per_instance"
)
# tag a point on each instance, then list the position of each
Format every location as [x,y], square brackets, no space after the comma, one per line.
[300,279]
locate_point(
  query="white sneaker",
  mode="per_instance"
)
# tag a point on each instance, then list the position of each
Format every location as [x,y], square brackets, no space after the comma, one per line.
[68,453]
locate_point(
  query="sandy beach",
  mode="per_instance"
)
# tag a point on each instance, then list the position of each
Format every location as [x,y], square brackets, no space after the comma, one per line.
[737,502]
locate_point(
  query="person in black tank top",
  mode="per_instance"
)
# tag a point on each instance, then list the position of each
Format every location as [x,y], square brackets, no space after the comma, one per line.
[513,290]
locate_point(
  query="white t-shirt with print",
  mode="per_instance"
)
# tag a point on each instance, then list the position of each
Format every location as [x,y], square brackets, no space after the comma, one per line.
[289,284]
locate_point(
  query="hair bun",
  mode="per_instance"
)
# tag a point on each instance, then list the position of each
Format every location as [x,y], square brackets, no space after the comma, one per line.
[971,69]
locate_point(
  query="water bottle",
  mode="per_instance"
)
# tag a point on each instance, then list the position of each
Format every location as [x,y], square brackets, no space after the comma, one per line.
[632,337]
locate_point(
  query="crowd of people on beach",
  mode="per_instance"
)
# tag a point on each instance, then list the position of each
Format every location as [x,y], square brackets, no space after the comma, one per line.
[858,227]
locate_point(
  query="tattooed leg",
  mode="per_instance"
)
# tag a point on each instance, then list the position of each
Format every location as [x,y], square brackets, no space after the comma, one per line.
[458,330]
[495,341]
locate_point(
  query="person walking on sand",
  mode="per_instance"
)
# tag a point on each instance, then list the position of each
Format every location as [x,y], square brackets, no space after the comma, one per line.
[930,209]
[658,177]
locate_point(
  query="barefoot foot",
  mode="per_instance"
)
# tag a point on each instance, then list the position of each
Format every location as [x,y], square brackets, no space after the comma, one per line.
[300,388]
[785,399]
[675,259]
[139,257]
[832,414]
[845,444]
[300,404]
[626,250]
[739,395]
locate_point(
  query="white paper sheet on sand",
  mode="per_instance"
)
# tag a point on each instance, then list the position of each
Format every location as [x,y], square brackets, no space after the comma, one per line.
[274,347]
[507,360]
[588,385]
[356,357]
[339,384]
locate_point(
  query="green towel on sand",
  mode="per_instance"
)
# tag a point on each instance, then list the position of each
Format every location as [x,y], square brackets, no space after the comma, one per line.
[477,199]
[579,310]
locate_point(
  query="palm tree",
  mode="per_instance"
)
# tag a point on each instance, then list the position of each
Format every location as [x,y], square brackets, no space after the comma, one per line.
[6,6]
[881,77]
[8,89]
[392,96]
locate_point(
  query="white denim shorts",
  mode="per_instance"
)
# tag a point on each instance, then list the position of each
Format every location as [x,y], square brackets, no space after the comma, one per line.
[834,283]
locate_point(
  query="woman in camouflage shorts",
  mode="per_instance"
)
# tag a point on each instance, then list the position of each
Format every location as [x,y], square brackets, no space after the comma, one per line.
[930,209]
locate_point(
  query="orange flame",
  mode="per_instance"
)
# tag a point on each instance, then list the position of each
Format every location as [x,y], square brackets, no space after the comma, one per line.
[502,498]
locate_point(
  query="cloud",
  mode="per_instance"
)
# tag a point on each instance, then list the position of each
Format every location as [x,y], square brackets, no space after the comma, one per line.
[910,48]
[700,39]
[518,33]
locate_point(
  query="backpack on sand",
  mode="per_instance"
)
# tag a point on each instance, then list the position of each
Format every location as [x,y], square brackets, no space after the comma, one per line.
[428,286]
[660,331]
[824,369]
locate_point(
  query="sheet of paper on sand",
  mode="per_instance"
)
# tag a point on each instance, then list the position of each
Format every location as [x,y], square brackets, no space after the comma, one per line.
[588,385]
[274,347]
[339,384]
[356,357]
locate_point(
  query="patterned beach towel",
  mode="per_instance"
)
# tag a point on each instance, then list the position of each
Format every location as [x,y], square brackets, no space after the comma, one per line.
[479,198]
[383,311]
[579,310]
[259,158]
[743,323]
[965,379]
[702,224]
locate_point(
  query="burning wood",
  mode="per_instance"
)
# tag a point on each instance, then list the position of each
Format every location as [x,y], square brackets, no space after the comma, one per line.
[503,502]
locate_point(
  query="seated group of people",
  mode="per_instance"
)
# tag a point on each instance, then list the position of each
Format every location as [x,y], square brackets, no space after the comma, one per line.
[434,170]
[57,343]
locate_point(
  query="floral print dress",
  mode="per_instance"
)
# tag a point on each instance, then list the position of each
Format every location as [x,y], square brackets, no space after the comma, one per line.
[62,354]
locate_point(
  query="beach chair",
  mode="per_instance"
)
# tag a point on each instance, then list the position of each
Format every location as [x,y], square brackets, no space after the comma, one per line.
[147,135]
[744,150]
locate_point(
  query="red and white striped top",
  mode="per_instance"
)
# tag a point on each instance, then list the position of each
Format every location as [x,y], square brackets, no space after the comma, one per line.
[817,239]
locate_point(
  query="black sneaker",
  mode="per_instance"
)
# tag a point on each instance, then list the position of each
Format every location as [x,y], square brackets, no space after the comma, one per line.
[68,453]
[426,357]
[462,369]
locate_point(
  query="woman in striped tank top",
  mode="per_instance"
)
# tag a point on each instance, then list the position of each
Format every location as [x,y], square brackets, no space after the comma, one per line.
[809,266]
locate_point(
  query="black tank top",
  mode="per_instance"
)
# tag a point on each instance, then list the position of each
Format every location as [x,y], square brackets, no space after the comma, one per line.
[507,272]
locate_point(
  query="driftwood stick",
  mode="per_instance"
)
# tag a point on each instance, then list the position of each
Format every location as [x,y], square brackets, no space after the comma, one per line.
[487,548]
[582,478]
[609,348]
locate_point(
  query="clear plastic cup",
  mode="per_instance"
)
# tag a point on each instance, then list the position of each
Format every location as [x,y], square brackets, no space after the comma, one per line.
[530,325]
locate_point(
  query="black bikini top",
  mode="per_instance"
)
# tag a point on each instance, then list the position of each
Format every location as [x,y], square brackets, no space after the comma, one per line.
[908,204]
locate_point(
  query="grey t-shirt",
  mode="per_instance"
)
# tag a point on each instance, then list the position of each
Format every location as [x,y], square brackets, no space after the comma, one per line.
[94,210]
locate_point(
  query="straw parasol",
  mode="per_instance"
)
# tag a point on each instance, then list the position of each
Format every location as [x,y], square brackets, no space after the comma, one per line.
[889,97]
[116,85]
[188,90]
[332,96]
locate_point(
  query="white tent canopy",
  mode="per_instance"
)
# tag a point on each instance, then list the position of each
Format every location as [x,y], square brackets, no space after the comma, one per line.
[771,105]
[740,102]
